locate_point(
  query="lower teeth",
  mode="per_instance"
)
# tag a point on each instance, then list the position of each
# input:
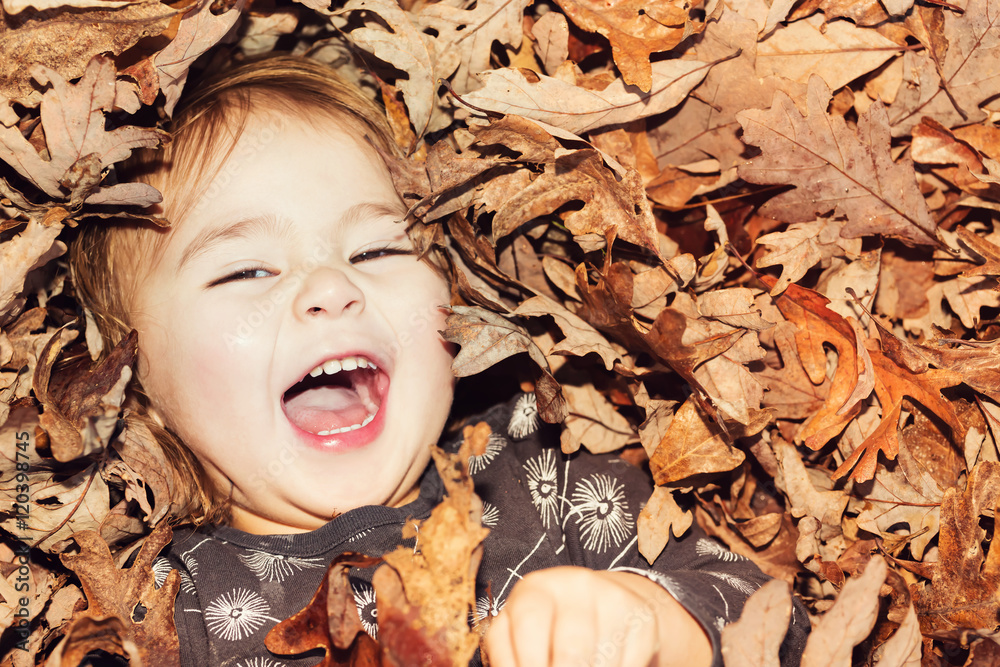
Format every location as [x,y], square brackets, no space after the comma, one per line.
[353,427]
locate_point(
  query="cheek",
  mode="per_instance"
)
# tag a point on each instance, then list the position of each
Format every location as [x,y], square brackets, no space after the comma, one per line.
[417,313]
[187,369]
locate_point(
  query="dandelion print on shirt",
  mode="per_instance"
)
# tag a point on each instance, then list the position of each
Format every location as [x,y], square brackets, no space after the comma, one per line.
[491,515]
[260,662]
[161,568]
[601,512]
[277,567]
[191,563]
[187,583]
[707,547]
[742,585]
[486,608]
[236,615]
[494,445]
[524,418]
[364,598]
[543,485]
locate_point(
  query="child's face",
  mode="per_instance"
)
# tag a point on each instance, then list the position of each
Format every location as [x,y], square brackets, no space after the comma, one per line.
[292,261]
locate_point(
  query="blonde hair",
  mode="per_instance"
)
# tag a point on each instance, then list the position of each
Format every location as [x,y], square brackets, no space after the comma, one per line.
[105,257]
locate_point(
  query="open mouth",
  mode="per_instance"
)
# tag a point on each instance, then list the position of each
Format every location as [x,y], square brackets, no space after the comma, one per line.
[338,396]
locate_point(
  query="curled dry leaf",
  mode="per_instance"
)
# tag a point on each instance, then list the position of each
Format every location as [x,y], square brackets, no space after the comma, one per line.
[487,338]
[80,419]
[564,105]
[32,248]
[471,33]
[755,639]
[593,422]
[580,338]
[67,44]
[78,145]
[330,621]
[407,48]
[660,517]
[903,648]
[63,500]
[199,31]
[962,594]
[612,206]
[635,29]
[144,471]
[798,248]
[424,598]
[852,617]
[692,446]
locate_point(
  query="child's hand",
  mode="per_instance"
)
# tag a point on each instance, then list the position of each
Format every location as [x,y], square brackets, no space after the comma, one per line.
[572,617]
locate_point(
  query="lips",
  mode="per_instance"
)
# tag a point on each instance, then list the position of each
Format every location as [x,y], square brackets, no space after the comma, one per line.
[340,396]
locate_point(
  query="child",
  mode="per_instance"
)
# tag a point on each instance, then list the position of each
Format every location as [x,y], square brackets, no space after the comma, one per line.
[289,339]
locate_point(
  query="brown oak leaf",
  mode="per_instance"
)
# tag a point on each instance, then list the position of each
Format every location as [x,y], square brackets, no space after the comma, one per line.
[852,617]
[962,594]
[67,43]
[486,339]
[692,446]
[79,147]
[32,248]
[143,625]
[576,109]
[471,33]
[835,168]
[892,384]
[80,419]
[405,46]
[330,621]
[755,639]
[951,86]
[199,31]
[424,596]
[817,324]
[659,517]
[705,123]
[635,29]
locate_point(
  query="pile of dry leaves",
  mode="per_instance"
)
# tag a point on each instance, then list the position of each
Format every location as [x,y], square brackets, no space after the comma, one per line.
[752,241]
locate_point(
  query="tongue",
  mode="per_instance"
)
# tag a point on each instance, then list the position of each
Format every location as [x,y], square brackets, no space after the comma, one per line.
[326,409]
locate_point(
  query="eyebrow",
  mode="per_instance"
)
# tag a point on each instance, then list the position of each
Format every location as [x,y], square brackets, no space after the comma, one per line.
[270,225]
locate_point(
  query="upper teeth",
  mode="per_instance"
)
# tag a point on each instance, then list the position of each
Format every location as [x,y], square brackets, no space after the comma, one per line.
[345,364]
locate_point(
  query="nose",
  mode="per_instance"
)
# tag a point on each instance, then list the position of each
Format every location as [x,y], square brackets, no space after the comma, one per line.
[328,291]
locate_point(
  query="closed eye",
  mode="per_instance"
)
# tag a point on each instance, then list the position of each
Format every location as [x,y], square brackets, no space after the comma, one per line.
[243,274]
[378,253]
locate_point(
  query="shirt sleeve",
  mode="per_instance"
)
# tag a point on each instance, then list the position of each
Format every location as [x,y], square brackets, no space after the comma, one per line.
[588,505]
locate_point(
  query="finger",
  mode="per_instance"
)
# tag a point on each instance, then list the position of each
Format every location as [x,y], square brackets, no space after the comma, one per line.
[641,639]
[628,629]
[497,644]
[531,622]
[575,636]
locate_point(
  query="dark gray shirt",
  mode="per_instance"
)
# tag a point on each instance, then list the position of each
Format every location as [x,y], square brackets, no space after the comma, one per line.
[543,508]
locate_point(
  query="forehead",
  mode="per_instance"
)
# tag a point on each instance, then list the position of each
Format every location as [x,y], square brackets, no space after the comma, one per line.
[212,148]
